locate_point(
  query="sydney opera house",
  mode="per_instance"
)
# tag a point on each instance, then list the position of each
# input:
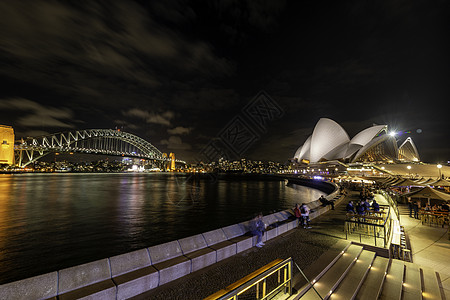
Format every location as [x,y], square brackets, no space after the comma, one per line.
[329,141]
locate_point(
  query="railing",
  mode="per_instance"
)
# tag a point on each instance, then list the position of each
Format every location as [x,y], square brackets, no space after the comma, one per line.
[265,282]
[392,200]
[376,225]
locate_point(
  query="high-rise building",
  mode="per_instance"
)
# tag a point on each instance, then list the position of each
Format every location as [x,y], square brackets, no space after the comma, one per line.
[7,145]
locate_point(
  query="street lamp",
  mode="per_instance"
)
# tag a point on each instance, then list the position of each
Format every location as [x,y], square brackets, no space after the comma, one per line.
[439,166]
[409,170]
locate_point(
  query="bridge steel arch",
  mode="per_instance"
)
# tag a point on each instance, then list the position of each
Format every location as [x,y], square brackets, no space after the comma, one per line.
[96,141]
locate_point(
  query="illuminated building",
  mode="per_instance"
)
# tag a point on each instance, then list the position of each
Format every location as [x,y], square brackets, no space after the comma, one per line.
[7,145]
[329,141]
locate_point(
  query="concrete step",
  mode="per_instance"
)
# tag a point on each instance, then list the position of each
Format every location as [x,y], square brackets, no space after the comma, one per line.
[412,284]
[331,279]
[393,284]
[430,288]
[355,277]
[371,286]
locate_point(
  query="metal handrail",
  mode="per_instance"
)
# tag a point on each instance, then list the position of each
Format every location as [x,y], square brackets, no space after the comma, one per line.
[256,278]
[386,234]
[309,282]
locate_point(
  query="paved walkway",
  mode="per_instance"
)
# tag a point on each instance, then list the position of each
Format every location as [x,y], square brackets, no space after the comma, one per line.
[430,246]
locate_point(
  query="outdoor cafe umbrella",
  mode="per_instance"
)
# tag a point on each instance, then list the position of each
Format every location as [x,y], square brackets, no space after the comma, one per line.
[385,179]
[440,182]
[429,181]
[392,180]
[406,182]
[429,193]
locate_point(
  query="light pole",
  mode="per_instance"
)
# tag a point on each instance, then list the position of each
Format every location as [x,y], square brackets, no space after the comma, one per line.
[439,166]
[409,170]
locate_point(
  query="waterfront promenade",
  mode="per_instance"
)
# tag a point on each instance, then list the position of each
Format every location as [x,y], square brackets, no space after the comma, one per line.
[305,246]
[430,247]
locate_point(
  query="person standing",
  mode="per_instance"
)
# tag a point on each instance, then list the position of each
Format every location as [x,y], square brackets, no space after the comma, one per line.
[304,210]
[298,215]
[416,210]
[410,207]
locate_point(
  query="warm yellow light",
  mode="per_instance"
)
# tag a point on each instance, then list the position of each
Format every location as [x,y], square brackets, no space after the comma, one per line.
[408,167]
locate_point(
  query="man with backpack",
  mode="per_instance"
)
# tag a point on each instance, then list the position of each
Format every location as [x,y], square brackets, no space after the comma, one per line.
[304,210]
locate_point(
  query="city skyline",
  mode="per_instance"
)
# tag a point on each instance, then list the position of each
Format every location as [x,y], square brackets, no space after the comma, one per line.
[177,73]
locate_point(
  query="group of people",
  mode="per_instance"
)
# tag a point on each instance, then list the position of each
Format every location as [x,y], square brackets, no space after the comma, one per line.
[326,202]
[302,214]
[415,206]
[362,207]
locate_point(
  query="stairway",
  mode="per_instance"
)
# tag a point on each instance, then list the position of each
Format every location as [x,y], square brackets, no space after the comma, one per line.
[362,274]
[403,210]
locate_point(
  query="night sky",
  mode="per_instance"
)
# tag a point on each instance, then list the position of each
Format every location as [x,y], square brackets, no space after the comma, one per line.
[176,73]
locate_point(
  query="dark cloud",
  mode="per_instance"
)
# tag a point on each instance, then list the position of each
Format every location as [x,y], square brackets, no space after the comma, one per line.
[35,115]
[175,143]
[179,130]
[150,117]
[170,69]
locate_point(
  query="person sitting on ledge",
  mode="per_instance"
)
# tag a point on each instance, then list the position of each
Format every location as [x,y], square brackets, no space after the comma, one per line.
[257,227]
[326,202]
[350,207]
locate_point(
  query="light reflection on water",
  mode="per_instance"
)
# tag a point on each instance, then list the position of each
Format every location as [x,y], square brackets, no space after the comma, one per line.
[53,221]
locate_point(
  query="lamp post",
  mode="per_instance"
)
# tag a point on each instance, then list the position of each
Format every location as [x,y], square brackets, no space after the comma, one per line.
[409,170]
[439,166]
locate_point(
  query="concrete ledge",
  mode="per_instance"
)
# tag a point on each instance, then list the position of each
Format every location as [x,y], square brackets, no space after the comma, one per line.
[282,228]
[293,224]
[194,248]
[136,282]
[215,236]
[162,252]
[271,233]
[168,260]
[173,268]
[217,240]
[86,279]
[192,243]
[38,287]
[233,231]
[133,274]
[101,290]
[243,242]
[270,219]
[202,258]
[224,249]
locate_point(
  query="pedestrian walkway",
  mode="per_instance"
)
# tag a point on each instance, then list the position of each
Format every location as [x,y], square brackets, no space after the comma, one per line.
[430,246]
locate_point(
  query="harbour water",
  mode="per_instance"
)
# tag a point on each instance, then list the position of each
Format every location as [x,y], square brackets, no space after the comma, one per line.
[52,221]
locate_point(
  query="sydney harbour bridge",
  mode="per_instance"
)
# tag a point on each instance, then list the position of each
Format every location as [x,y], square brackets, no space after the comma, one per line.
[91,141]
